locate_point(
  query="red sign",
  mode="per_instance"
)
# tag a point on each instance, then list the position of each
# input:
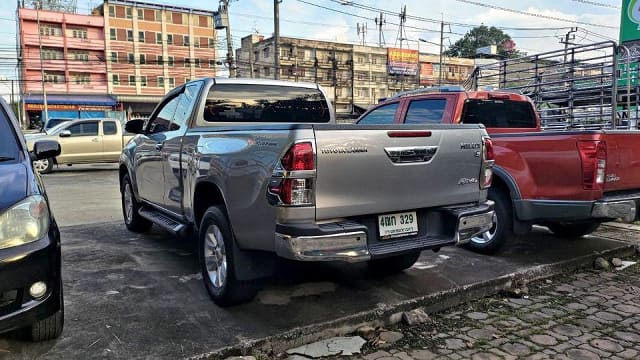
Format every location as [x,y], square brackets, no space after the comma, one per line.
[509,45]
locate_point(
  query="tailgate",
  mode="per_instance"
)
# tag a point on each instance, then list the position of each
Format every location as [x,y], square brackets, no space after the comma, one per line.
[357,175]
[623,162]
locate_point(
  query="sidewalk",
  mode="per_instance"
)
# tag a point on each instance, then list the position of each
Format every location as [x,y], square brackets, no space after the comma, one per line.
[587,315]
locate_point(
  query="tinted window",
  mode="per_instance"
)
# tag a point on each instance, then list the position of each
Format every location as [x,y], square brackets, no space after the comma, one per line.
[162,121]
[499,113]
[54,122]
[8,143]
[383,115]
[427,111]
[109,128]
[84,129]
[265,103]
[185,104]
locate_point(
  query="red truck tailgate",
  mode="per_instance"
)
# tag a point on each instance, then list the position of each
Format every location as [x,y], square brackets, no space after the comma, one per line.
[623,160]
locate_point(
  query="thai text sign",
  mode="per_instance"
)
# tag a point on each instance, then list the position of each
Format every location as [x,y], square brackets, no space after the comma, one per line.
[403,61]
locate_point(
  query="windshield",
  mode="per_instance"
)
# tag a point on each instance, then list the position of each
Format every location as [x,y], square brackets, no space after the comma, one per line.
[8,143]
[54,122]
[56,129]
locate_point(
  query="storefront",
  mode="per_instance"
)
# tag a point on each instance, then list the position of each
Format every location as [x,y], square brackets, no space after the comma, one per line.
[68,106]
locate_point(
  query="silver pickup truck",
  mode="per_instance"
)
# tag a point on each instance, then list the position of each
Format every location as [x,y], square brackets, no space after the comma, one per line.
[256,169]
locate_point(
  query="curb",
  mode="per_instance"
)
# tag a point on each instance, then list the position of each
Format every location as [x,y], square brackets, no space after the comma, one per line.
[391,314]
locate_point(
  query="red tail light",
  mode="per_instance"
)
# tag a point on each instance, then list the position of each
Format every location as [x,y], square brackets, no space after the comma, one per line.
[593,155]
[488,159]
[299,157]
[295,189]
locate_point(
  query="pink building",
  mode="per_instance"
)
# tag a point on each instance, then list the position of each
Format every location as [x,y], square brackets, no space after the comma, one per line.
[73,59]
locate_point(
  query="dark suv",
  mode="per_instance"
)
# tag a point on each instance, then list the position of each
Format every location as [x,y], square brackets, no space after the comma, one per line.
[30,279]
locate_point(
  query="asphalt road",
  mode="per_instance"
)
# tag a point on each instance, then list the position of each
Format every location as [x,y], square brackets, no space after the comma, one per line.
[140,296]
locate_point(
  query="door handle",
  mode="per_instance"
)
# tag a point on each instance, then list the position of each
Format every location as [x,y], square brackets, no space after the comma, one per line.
[159,146]
[94,140]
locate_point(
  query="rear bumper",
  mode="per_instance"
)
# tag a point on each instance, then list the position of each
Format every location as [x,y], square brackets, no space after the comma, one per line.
[612,207]
[22,266]
[356,240]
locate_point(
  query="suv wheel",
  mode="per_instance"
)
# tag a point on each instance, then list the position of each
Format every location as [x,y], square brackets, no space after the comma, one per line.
[573,229]
[43,166]
[217,261]
[491,241]
[130,208]
[49,328]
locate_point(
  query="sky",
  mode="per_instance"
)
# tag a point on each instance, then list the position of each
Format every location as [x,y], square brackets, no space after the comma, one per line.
[336,20]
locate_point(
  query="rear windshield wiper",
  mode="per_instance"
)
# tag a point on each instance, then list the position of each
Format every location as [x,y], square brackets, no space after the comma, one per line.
[6,158]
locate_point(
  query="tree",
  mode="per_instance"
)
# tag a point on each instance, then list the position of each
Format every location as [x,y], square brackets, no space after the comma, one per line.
[478,37]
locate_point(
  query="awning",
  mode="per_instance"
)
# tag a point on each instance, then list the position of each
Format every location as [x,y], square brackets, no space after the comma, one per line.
[139,98]
[56,99]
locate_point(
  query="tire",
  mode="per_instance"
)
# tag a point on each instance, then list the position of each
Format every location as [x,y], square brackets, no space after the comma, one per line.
[217,261]
[44,166]
[49,328]
[393,264]
[573,230]
[491,241]
[130,207]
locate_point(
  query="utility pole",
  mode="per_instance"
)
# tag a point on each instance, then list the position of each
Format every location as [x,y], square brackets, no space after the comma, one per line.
[224,9]
[441,45]
[334,68]
[44,90]
[566,41]
[362,30]
[380,21]
[276,30]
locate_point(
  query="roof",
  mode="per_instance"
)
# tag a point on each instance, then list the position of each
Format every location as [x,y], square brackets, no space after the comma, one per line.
[96,100]
[249,81]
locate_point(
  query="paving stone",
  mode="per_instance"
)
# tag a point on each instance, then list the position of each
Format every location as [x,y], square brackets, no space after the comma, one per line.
[544,340]
[604,315]
[241,358]
[485,356]
[606,345]
[562,347]
[390,337]
[588,324]
[480,334]
[477,315]
[567,330]
[580,354]
[576,306]
[594,350]
[376,355]
[334,346]
[628,354]
[423,355]
[627,336]
[520,301]
[630,309]
[559,337]
[402,356]
[455,344]
[516,349]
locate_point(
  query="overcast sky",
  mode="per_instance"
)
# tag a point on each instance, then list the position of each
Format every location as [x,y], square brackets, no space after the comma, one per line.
[302,19]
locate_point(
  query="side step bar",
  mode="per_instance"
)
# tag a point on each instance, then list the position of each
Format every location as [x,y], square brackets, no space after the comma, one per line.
[161,220]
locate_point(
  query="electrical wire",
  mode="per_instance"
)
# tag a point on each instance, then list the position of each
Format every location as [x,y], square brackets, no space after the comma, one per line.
[594,3]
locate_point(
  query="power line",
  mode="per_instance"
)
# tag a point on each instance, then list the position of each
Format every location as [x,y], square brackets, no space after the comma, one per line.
[495,7]
[594,3]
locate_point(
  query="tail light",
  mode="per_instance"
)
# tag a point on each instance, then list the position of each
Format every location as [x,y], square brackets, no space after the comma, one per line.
[488,160]
[593,155]
[293,181]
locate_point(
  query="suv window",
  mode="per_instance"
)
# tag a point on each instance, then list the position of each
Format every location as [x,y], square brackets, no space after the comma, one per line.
[54,122]
[109,128]
[265,103]
[8,143]
[162,121]
[84,129]
[183,109]
[499,113]
[425,111]
[383,115]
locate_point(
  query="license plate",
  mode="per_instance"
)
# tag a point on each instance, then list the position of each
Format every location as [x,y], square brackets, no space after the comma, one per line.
[396,225]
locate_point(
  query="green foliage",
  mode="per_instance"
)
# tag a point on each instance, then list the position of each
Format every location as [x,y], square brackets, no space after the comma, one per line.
[478,37]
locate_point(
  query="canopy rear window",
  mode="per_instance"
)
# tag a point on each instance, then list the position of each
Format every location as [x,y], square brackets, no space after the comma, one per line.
[499,113]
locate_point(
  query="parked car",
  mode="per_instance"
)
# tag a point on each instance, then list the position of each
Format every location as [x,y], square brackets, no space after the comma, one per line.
[30,278]
[259,169]
[560,179]
[83,141]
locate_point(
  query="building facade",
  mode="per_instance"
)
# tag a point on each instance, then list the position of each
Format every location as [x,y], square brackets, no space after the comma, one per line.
[71,60]
[370,75]
[151,48]
[454,70]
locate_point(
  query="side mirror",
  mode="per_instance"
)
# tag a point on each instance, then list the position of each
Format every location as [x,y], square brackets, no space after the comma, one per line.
[135,126]
[44,149]
[65,133]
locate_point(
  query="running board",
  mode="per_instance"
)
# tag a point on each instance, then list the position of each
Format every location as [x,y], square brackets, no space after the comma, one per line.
[162,220]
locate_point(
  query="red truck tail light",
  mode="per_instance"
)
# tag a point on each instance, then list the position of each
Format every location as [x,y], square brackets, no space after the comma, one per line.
[488,159]
[593,155]
[295,185]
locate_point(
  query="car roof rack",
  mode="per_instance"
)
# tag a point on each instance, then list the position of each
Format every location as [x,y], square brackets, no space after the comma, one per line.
[427,90]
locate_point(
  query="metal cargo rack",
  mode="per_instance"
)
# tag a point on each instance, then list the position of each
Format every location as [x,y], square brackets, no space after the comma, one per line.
[583,87]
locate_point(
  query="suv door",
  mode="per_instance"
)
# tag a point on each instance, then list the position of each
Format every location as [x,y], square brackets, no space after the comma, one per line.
[171,150]
[83,146]
[149,168]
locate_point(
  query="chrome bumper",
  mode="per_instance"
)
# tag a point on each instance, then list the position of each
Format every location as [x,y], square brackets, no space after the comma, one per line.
[349,247]
[622,209]
[472,225]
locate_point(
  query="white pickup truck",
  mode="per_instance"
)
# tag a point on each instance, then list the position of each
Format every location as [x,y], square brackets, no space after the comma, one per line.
[82,141]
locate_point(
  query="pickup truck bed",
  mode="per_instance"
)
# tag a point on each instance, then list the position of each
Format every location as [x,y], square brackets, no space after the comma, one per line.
[304,189]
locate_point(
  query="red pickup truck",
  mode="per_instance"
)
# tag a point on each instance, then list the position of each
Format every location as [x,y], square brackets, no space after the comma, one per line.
[569,180]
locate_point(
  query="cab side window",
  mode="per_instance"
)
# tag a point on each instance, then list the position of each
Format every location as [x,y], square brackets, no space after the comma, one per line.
[426,111]
[84,129]
[383,115]
[109,128]
[184,106]
[162,121]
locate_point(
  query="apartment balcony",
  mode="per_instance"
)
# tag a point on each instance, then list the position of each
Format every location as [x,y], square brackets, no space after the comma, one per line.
[85,44]
[47,41]
[33,63]
[91,66]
